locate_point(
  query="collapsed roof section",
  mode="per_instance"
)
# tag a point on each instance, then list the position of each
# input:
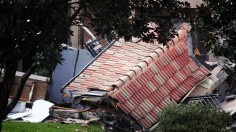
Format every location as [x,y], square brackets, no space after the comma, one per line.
[163,77]
[142,80]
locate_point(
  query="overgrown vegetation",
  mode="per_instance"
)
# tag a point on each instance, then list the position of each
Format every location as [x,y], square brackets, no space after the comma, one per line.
[48,127]
[193,118]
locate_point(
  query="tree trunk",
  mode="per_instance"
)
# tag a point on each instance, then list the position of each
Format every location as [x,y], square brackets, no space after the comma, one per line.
[5,86]
[20,88]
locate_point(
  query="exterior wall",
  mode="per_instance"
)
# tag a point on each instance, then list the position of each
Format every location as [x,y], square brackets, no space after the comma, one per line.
[212,58]
[79,35]
[74,40]
[37,85]
[193,3]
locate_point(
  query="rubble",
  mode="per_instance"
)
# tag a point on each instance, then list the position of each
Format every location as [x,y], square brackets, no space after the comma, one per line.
[128,97]
[132,92]
[14,116]
[85,111]
[20,106]
[80,121]
[229,104]
[45,111]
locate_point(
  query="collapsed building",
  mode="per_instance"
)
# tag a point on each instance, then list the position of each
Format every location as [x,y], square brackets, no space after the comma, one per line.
[127,84]
[137,80]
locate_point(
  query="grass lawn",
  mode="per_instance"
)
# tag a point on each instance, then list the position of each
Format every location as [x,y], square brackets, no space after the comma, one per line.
[48,127]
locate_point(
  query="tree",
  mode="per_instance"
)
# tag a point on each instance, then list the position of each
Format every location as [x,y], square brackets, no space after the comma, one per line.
[144,19]
[29,26]
[194,118]
[40,26]
[216,20]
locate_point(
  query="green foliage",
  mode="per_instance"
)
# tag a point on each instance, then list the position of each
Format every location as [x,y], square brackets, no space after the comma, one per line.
[42,72]
[48,127]
[193,118]
[130,18]
[216,20]
[38,27]
[30,27]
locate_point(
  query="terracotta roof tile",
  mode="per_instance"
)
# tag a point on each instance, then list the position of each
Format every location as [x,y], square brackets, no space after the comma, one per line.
[148,77]
[112,64]
[163,76]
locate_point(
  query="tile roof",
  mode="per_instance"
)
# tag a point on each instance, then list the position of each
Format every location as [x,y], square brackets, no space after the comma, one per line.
[162,78]
[111,65]
[147,77]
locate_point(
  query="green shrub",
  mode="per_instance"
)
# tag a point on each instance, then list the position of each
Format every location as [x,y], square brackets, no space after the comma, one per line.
[193,118]
[42,72]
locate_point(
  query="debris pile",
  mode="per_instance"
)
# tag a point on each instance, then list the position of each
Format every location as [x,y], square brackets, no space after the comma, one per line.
[127,85]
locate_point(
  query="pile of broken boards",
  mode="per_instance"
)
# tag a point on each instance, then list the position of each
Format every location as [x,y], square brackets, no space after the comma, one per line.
[45,111]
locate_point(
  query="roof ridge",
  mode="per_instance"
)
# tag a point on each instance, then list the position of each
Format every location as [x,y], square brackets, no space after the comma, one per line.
[143,65]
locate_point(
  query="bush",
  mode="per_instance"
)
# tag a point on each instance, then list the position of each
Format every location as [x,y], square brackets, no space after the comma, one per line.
[193,118]
[42,72]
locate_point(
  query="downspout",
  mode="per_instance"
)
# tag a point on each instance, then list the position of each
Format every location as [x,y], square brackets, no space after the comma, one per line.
[89,33]
[190,44]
